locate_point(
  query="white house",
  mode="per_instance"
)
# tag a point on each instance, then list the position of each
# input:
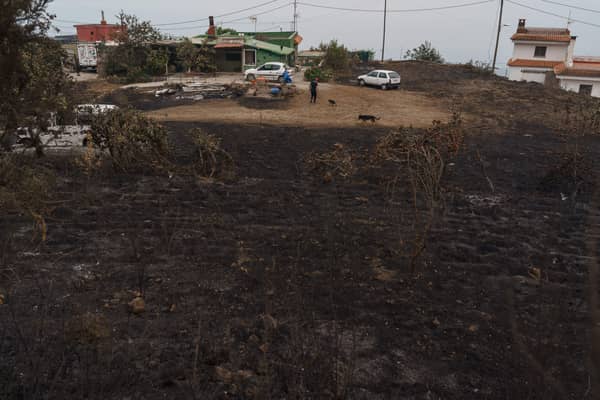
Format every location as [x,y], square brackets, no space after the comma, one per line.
[542,53]
[580,74]
[538,51]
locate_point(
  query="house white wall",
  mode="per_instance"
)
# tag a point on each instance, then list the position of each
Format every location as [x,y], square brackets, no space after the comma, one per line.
[572,84]
[554,51]
[570,51]
[527,74]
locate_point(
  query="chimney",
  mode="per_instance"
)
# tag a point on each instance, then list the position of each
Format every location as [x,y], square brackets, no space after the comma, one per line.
[212,29]
[521,28]
[570,51]
[103,21]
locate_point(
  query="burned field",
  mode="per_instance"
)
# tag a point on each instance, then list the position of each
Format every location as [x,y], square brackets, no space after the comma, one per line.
[312,267]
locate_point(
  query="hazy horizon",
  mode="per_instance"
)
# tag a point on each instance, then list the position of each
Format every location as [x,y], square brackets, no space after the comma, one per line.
[460,34]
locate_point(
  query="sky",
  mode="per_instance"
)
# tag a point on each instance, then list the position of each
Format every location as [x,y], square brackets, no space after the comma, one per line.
[460,34]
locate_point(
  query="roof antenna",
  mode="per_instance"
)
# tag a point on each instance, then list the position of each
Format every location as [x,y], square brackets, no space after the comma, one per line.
[569,20]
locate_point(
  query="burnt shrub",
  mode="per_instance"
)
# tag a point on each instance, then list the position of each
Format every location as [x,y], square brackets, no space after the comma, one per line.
[210,160]
[133,141]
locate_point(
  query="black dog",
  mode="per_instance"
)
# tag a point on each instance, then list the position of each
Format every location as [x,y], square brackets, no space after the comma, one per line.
[332,102]
[366,118]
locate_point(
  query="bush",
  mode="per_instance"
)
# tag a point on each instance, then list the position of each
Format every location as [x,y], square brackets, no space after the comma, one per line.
[133,141]
[211,160]
[425,52]
[25,189]
[324,75]
[337,163]
[479,67]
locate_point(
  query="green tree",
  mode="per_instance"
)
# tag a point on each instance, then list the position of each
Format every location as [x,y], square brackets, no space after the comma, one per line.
[135,32]
[336,56]
[226,31]
[187,54]
[133,57]
[197,58]
[206,61]
[425,52]
[33,86]
[157,61]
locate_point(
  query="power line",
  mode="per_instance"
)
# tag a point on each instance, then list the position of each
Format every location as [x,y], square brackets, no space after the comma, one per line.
[189,21]
[570,6]
[553,14]
[230,21]
[222,15]
[260,13]
[398,11]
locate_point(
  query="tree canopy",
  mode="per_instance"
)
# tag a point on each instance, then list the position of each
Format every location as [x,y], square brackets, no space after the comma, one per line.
[33,86]
[425,52]
[336,55]
[226,31]
[134,57]
[197,58]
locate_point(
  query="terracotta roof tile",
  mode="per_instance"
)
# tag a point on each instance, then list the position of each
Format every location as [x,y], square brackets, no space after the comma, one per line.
[543,34]
[589,69]
[519,62]
[587,59]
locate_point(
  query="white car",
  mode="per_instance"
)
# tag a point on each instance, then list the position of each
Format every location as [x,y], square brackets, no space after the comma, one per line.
[271,71]
[382,78]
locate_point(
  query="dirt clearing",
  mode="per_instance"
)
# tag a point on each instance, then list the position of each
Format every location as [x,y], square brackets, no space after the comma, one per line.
[394,107]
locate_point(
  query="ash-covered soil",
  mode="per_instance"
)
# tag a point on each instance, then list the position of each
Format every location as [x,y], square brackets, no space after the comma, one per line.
[284,283]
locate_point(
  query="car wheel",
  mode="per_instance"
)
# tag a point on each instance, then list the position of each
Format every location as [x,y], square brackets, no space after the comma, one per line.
[384,87]
[250,77]
[361,82]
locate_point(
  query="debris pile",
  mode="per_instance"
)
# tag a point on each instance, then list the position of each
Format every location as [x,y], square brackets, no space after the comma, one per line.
[202,90]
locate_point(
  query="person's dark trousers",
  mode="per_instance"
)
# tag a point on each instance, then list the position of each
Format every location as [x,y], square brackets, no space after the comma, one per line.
[313,97]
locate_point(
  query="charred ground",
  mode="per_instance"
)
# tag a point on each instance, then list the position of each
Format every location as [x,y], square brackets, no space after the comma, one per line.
[288,281]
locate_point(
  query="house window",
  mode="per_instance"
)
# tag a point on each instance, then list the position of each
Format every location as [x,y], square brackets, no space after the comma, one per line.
[540,51]
[233,56]
[250,57]
[585,90]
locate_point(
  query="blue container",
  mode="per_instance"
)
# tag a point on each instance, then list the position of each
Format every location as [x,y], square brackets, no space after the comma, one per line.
[275,91]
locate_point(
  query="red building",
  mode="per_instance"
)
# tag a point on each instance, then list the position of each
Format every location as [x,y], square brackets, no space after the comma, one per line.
[101,32]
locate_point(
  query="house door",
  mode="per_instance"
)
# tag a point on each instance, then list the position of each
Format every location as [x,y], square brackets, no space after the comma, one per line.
[233,61]
[250,58]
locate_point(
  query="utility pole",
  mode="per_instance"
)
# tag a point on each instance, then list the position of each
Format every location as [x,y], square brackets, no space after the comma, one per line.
[295,15]
[384,21]
[498,36]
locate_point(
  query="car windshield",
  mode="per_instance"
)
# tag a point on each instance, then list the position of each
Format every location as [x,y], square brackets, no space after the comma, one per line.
[394,75]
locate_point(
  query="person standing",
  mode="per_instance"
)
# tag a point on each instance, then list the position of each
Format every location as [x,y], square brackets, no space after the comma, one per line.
[313,90]
[287,79]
